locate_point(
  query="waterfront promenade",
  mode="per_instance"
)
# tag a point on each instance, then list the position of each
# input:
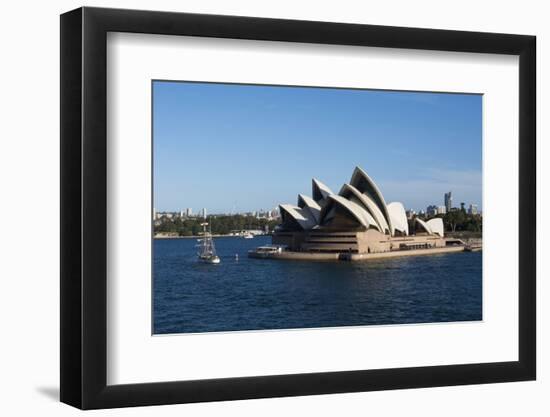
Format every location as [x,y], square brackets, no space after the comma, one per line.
[343,256]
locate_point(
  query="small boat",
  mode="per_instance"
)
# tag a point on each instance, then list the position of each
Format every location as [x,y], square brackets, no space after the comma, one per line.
[207,250]
[268,251]
[248,235]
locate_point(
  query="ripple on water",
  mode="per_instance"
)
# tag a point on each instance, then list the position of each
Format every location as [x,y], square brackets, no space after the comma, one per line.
[255,294]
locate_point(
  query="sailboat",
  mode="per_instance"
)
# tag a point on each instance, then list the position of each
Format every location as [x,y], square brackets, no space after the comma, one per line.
[207,251]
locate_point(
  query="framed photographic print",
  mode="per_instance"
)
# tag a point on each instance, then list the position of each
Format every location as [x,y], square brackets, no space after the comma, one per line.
[258,207]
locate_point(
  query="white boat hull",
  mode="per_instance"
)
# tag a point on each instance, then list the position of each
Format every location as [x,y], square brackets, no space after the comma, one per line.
[210,260]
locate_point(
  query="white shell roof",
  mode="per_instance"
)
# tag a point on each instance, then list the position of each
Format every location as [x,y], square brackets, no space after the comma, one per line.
[366,185]
[362,199]
[308,203]
[302,216]
[436,226]
[368,204]
[398,217]
[424,225]
[304,200]
[358,212]
[318,188]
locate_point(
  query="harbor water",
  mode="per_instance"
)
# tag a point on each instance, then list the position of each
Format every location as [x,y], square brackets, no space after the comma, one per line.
[242,293]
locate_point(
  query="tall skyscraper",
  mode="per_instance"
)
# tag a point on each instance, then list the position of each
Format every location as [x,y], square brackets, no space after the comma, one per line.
[204,213]
[448,201]
[472,209]
[189,212]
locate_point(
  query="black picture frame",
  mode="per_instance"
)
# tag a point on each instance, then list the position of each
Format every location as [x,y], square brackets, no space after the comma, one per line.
[84,207]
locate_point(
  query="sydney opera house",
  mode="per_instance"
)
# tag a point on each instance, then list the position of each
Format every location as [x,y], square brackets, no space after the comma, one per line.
[354,220]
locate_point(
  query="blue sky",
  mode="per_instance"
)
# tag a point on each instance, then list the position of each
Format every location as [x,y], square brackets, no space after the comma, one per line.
[236,148]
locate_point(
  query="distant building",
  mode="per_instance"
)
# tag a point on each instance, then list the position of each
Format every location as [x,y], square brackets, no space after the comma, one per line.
[472,209]
[189,212]
[266,214]
[462,207]
[410,214]
[203,213]
[431,210]
[448,201]
[441,210]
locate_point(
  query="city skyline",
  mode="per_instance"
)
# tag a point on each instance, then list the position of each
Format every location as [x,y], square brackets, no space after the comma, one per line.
[470,207]
[239,148]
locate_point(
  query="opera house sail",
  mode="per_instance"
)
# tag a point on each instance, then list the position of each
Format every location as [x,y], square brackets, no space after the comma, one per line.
[356,220]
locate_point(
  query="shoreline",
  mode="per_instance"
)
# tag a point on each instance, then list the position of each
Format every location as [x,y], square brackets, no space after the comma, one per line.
[196,236]
[355,257]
